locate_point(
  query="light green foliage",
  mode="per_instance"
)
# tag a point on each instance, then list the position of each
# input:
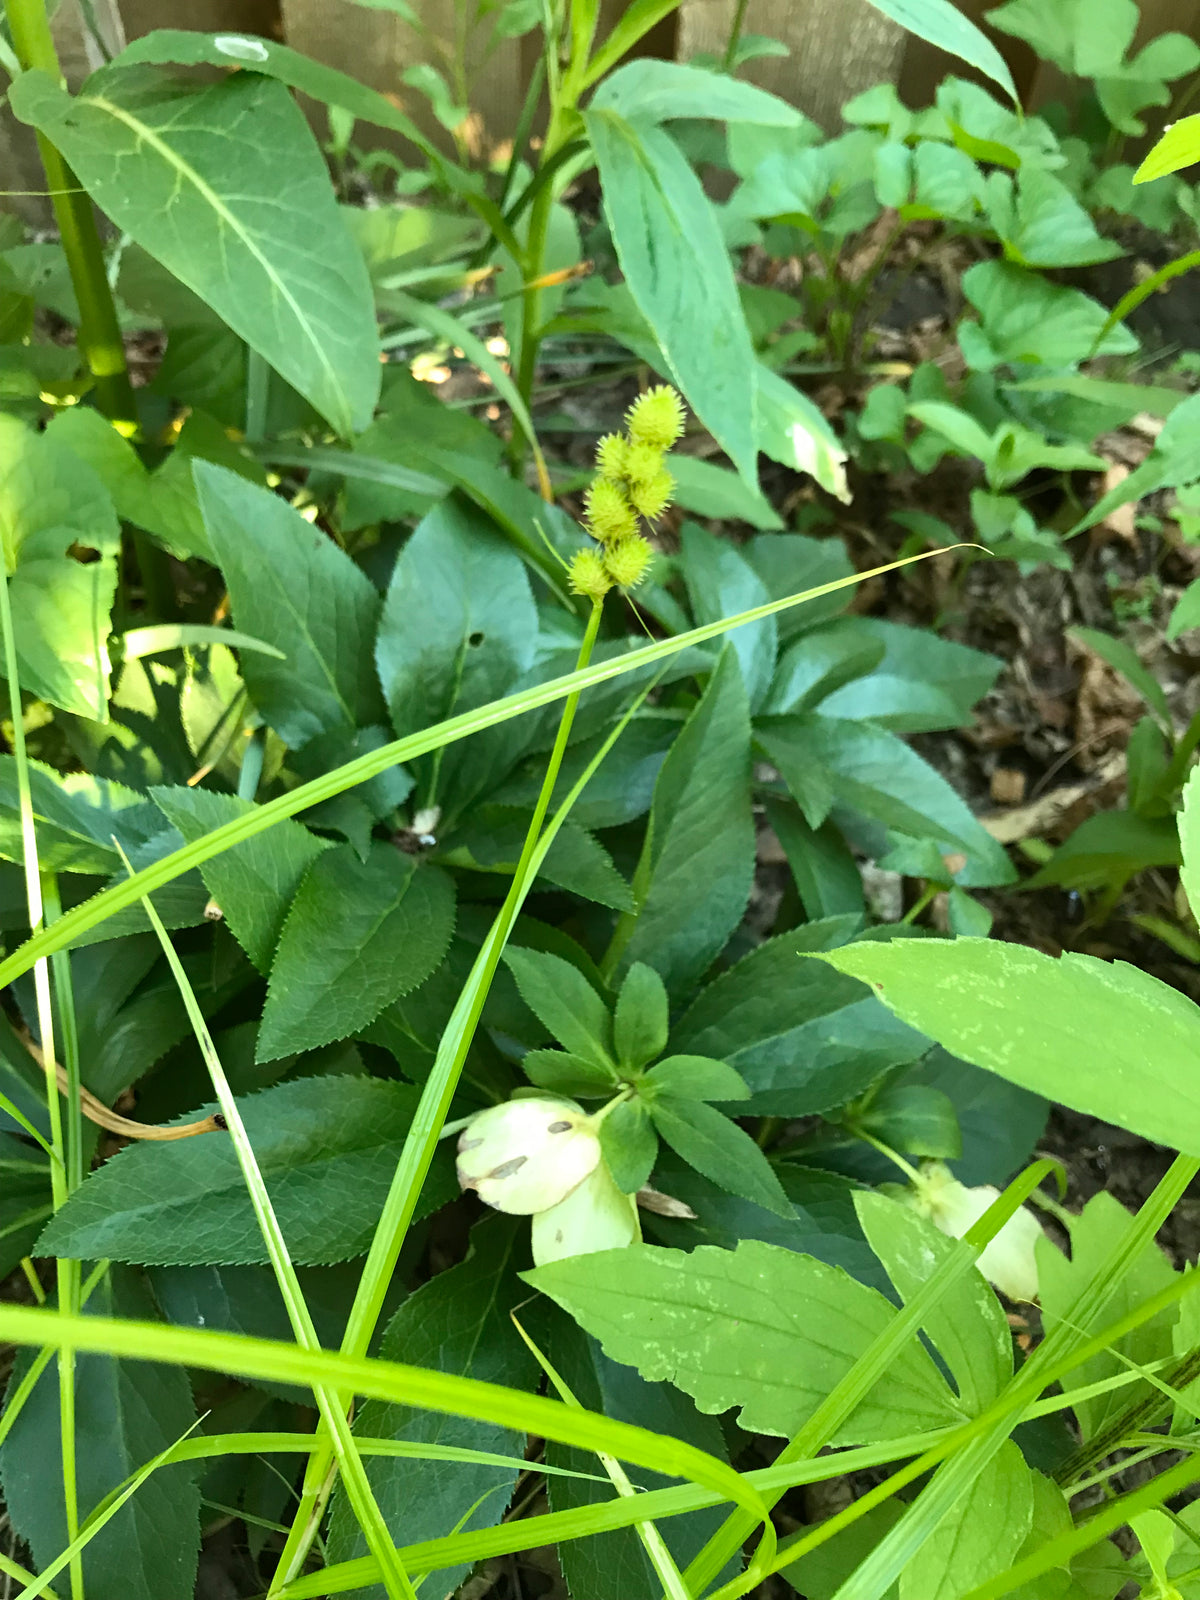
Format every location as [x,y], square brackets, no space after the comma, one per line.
[1100,1036]
[326,1146]
[52,503]
[564,1000]
[181,173]
[1092,39]
[696,870]
[775,1333]
[292,587]
[980,1536]
[1062,1281]
[641,1020]
[254,883]
[358,935]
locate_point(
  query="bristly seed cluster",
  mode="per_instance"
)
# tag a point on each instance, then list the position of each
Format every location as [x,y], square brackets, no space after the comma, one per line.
[631,484]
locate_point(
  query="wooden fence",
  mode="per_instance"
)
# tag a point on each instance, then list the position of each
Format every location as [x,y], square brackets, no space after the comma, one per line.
[837,48]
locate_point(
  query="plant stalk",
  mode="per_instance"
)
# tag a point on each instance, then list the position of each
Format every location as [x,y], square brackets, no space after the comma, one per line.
[100,341]
[422,1141]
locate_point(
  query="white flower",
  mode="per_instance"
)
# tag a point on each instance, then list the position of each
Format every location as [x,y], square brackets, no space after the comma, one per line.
[594,1216]
[1009,1260]
[527,1155]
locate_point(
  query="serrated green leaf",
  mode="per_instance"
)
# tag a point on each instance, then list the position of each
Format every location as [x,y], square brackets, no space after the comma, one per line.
[327,1148]
[757,1327]
[696,1078]
[565,1002]
[51,502]
[249,223]
[876,773]
[641,1020]
[717,1147]
[701,841]
[1027,319]
[801,1043]
[253,883]
[76,817]
[629,1144]
[126,1412]
[1100,1036]
[458,1322]
[359,934]
[292,587]
[563,1073]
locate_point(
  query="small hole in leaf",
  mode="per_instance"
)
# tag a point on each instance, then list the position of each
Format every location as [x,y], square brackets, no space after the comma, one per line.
[475,639]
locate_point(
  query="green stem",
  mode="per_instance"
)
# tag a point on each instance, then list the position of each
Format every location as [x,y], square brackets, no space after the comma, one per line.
[67,1279]
[100,340]
[735,37]
[421,1142]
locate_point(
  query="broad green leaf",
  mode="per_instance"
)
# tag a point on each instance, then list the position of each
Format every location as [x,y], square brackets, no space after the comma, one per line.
[641,1020]
[694,1078]
[459,626]
[1189,840]
[720,1149]
[249,223]
[1099,1036]
[979,1537]
[793,431]
[1061,1281]
[138,496]
[51,504]
[941,23]
[125,1413]
[1109,847]
[802,1043]
[291,586]
[1174,460]
[458,1322]
[1179,147]
[253,883]
[876,773]
[1091,38]
[359,934]
[491,838]
[823,868]
[999,1122]
[1026,319]
[76,817]
[720,582]
[327,1148]
[820,1574]
[712,491]
[614,1566]
[678,271]
[658,91]
[967,1325]
[758,1327]
[920,683]
[1041,224]
[915,1118]
[565,1002]
[700,856]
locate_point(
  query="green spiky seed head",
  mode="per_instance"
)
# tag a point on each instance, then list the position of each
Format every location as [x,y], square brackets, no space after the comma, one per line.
[628,561]
[609,514]
[642,462]
[656,417]
[587,574]
[652,497]
[610,455]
